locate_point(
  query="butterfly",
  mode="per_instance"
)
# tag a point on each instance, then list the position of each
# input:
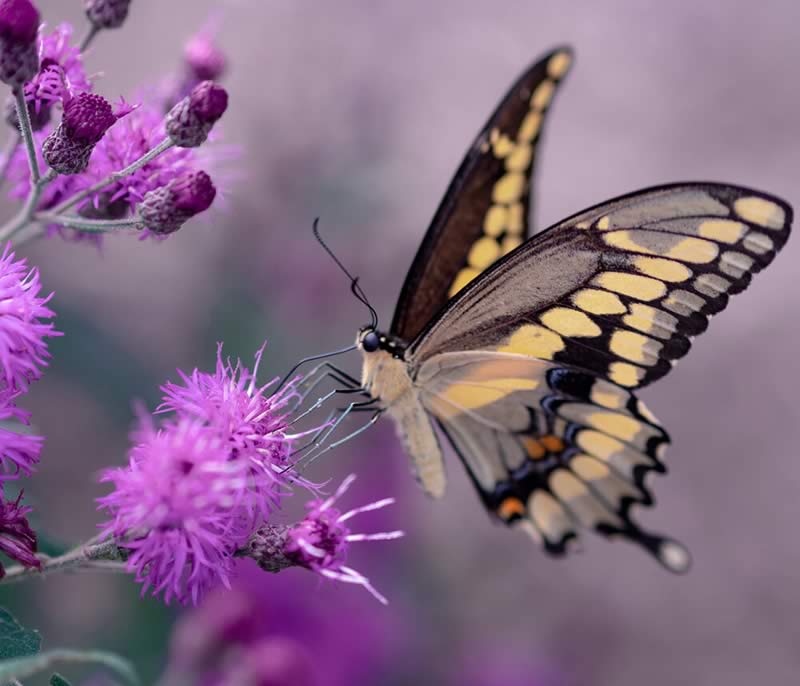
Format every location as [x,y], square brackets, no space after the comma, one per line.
[527,351]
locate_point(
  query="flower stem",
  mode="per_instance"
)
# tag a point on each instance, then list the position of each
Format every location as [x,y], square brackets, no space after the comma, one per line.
[163,146]
[27,134]
[89,37]
[104,555]
[8,153]
[88,225]
[26,214]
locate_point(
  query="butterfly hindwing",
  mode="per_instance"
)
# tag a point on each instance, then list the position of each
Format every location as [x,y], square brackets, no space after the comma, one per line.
[485,211]
[618,290]
[550,449]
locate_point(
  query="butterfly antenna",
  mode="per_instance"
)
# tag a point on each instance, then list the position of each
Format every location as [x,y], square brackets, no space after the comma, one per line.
[355,287]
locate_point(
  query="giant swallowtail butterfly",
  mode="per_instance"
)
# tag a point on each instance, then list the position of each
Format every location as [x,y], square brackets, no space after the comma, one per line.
[527,351]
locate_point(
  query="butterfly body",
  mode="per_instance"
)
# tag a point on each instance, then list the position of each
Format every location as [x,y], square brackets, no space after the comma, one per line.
[527,352]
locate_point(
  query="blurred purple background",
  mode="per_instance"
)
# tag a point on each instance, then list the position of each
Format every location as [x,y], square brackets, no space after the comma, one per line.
[359,113]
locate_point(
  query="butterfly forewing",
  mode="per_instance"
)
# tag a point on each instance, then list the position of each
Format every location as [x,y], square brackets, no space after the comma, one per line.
[617,290]
[485,212]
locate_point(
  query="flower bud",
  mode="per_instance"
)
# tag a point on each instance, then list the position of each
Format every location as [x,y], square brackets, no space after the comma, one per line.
[19,56]
[166,209]
[190,121]
[107,14]
[86,119]
[204,60]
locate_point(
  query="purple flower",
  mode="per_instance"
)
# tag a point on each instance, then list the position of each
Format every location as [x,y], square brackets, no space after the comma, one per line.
[191,120]
[252,421]
[204,60]
[166,209]
[61,75]
[86,119]
[23,323]
[124,143]
[19,59]
[177,508]
[321,540]
[17,539]
[19,452]
[107,14]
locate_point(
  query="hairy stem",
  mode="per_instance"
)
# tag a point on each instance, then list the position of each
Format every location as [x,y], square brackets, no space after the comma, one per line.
[89,37]
[27,133]
[104,555]
[88,225]
[163,146]
[26,214]
[8,153]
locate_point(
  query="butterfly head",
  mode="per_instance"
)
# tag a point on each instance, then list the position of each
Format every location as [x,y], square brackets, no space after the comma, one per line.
[370,340]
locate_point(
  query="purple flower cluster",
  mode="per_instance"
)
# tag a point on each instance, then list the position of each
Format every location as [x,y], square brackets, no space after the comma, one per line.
[198,485]
[94,140]
[24,327]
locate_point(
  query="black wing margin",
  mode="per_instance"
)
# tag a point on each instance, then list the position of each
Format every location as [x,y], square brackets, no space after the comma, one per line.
[485,211]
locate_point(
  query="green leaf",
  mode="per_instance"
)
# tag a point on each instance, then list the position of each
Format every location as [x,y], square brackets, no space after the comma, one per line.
[15,640]
[23,667]
[58,680]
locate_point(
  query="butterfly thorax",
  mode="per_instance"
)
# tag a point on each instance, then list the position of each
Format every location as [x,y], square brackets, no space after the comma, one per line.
[384,368]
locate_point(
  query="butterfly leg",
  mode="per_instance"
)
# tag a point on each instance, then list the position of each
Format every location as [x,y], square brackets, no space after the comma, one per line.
[376,414]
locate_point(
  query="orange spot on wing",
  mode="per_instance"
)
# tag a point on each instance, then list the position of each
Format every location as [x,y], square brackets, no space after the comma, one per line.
[535,450]
[553,444]
[510,507]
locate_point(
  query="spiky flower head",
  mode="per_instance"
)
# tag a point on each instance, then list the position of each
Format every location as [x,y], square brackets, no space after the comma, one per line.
[177,507]
[320,541]
[24,323]
[107,14]
[19,451]
[60,76]
[19,58]
[17,538]
[191,120]
[166,209]
[254,420]
[86,119]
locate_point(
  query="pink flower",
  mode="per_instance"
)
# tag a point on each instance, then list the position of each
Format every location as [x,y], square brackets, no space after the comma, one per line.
[177,507]
[19,452]
[253,422]
[24,323]
[321,540]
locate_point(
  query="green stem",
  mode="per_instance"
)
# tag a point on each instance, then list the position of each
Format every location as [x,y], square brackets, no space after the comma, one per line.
[8,154]
[163,146]
[89,37]
[88,225]
[26,214]
[104,555]
[27,134]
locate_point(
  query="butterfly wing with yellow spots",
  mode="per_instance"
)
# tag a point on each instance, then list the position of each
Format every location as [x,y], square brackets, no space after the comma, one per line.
[485,212]
[529,370]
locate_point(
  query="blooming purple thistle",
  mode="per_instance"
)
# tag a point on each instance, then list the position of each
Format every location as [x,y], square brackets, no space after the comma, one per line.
[19,452]
[253,419]
[23,323]
[166,209]
[177,508]
[86,119]
[19,58]
[60,76]
[191,120]
[107,14]
[17,539]
[320,541]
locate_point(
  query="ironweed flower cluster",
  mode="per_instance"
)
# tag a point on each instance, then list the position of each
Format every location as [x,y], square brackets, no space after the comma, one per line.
[200,487]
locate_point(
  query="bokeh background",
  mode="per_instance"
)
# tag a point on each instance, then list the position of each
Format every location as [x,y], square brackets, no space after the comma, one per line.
[359,112]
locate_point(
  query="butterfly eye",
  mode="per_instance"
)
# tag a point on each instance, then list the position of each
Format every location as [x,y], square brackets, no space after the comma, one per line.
[371,342]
